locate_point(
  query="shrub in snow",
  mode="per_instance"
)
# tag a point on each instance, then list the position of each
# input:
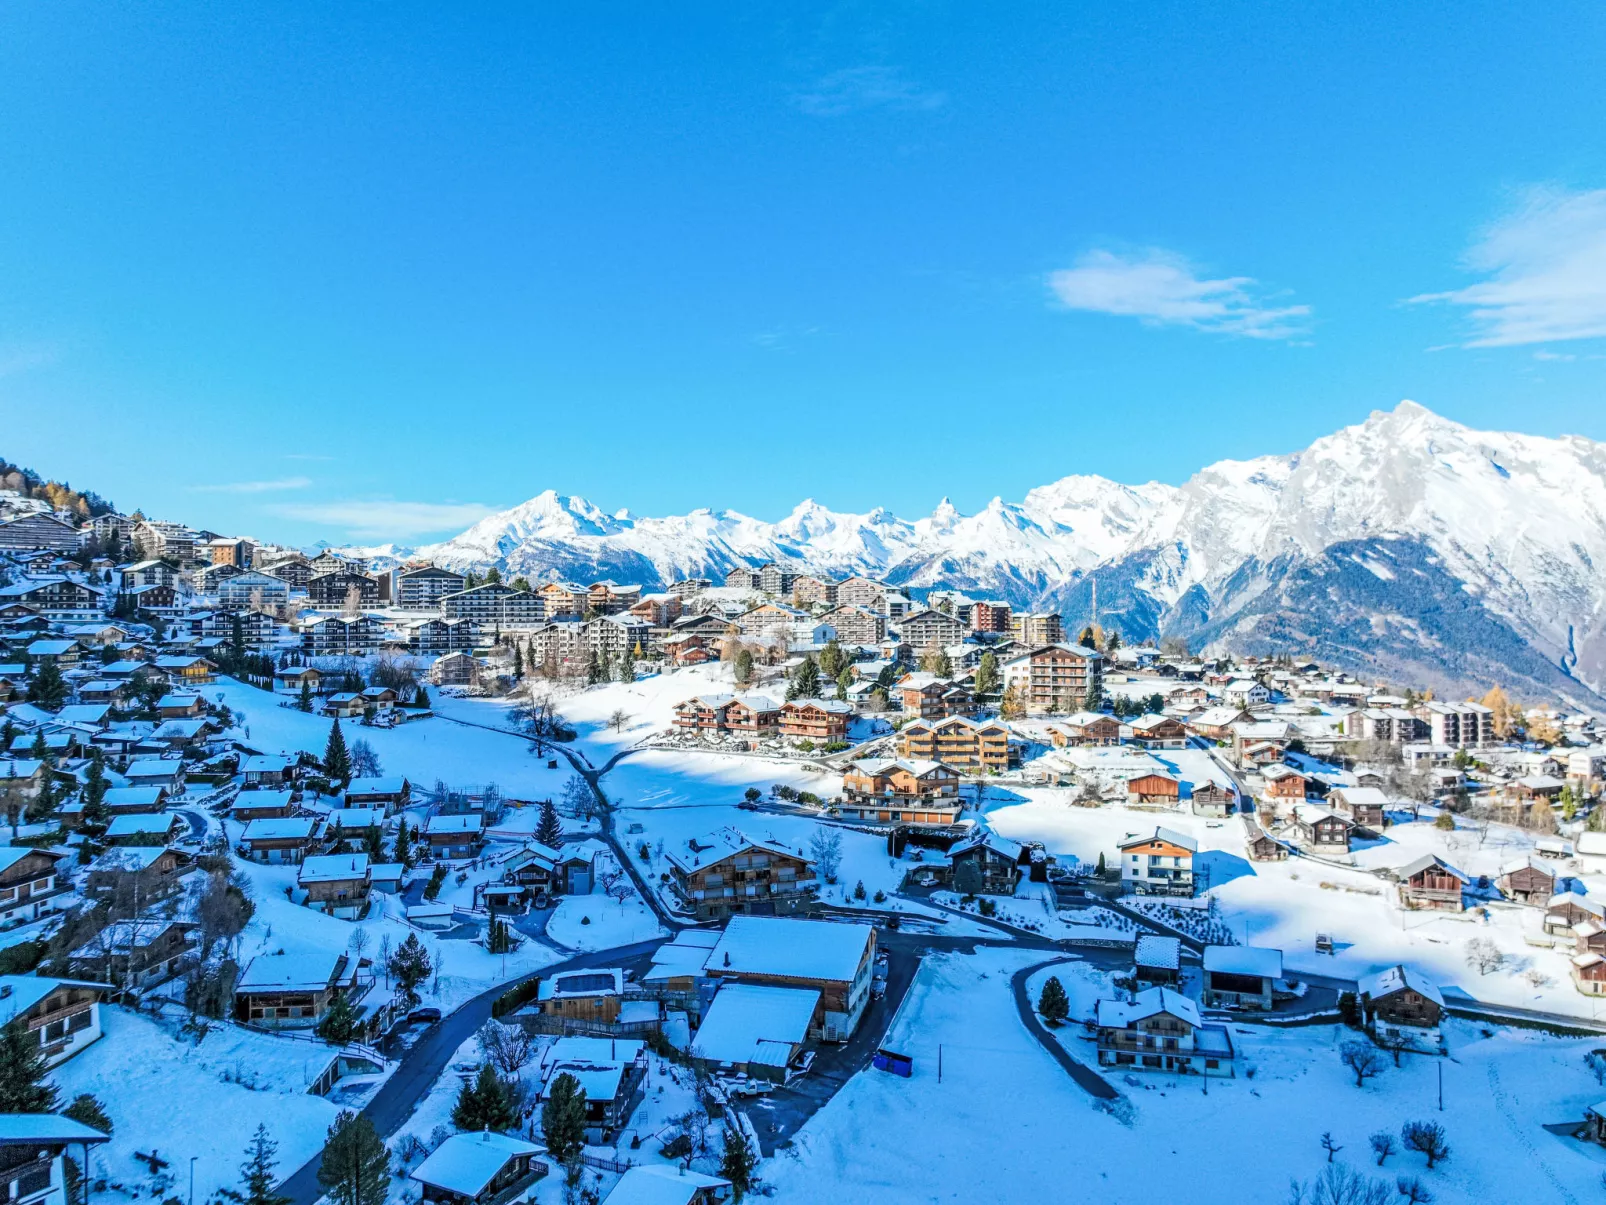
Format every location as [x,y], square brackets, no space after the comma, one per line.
[1428,1138]
[585,920]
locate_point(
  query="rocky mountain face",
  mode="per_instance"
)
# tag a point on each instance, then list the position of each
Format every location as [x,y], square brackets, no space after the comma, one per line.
[1407,546]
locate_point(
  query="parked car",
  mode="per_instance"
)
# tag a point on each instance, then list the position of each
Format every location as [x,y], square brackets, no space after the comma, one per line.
[424,1016]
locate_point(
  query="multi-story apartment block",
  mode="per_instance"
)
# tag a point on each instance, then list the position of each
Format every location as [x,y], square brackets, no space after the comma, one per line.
[1043,627]
[927,628]
[562,647]
[688,586]
[743,577]
[495,605]
[773,579]
[990,616]
[334,588]
[616,635]
[974,746]
[1055,677]
[437,635]
[422,589]
[769,619]
[901,791]
[809,590]
[856,625]
[860,592]
[609,598]
[660,610]
[252,589]
[1394,724]
[158,539]
[563,600]
[1459,725]
[816,719]
[1158,863]
[327,635]
[728,873]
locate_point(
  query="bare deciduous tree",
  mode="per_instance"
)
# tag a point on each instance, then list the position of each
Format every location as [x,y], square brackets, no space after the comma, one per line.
[1363,1059]
[506,1047]
[1484,955]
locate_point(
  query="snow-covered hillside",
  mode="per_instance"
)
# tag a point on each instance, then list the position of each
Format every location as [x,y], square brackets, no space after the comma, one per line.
[1243,553]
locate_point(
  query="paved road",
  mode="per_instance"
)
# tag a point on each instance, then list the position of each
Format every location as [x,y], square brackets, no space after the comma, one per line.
[422,1065]
[1090,1081]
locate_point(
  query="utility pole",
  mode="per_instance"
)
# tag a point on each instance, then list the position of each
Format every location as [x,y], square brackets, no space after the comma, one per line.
[939,1062]
[1440,1067]
[193,1158]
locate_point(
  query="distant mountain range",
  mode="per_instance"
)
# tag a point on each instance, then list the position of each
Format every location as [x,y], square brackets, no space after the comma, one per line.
[1407,547]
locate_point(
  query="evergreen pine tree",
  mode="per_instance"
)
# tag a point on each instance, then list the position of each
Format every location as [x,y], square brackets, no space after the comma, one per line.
[409,966]
[88,1111]
[257,1179]
[743,667]
[737,1163]
[563,1118]
[843,681]
[987,673]
[594,669]
[47,688]
[23,1086]
[355,1169]
[627,667]
[404,844]
[94,817]
[486,1104]
[518,662]
[1054,1006]
[1094,701]
[549,832]
[336,760]
[339,1023]
[304,700]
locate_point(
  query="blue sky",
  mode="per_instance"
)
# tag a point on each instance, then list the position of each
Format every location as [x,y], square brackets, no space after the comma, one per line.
[325,271]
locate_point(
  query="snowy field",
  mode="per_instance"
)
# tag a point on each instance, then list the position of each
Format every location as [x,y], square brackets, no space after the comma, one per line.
[1285,904]
[167,1094]
[1007,1124]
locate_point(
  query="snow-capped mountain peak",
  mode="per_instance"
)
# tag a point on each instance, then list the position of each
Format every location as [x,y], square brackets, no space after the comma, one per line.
[1518,521]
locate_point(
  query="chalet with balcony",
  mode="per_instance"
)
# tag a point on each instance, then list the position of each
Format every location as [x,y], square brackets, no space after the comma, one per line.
[728,873]
[140,874]
[31,884]
[1400,1000]
[819,720]
[1157,732]
[479,1169]
[134,953]
[455,836]
[986,864]
[1319,829]
[62,1014]
[1366,806]
[1158,863]
[898,791]
[970,746]
[1083,729]
[285,840]
[1161,1030]
[294,988]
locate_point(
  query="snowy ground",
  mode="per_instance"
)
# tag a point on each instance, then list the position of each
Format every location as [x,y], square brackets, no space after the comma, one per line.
[1006,1123]
[167,1094]
[1285,904]
[600,922]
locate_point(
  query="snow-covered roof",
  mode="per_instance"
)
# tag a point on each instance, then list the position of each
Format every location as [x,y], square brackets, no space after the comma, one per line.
[132,797]
[1528,862]
[467,1163]
[686,955]
[724,843]
[270,828]
[265,763]
[1592,843]
[249,801]
[599,1081]
[328,868]
[469,823]
[1363,796]
[1417,865]
[349,818]
[798,949]
[1161,833]
[19,1128]
[1398,978]
[128,857]
[979,838]
[1152,950]
[1244,960]
[658,1185]
[303,969]
[602,981]
[142,824]
[389,785]
[749,1023]
[1119,1014]
[19,993]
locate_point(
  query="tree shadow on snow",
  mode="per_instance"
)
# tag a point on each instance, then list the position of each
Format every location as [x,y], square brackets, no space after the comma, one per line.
[1217,866]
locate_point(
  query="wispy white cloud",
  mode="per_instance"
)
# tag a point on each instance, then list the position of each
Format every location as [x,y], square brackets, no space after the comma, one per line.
[306,456]
[1162,288]
[254,487]
[855,89]
[386,517]
[1545,270]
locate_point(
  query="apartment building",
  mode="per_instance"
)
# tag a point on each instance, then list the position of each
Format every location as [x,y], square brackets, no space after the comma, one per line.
[973,746]
[423,589]
[1055,677]
[1043,627]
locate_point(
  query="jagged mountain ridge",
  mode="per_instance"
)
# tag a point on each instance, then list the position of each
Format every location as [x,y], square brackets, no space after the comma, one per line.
[1242,554]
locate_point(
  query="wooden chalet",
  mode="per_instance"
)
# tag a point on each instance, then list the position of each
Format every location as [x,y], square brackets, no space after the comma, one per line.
[896,791]
[1431,883]
[1528,880]
[1153,790]
[728,873]
[1400,997]
[817,720]
[1262,846]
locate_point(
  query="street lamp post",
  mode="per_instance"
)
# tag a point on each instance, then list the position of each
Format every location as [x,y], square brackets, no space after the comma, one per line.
[193,1158]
